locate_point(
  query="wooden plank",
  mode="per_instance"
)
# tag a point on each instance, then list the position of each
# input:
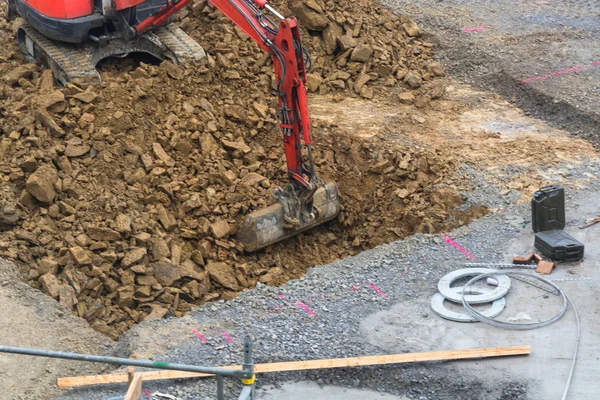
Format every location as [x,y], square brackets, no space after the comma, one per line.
[135,387]
[311,364]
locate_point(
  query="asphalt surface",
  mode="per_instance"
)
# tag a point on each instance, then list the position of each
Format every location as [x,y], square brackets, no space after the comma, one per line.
[542,54]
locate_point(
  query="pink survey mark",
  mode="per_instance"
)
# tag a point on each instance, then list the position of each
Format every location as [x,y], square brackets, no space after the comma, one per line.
[379,291]
[226,337]
[473,29]
[306,308]
[199,335]
[147,393]
[457,247]
[561,72]
[281,296]
[355,287]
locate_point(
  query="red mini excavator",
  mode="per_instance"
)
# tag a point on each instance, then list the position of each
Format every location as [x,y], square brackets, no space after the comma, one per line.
[72,36]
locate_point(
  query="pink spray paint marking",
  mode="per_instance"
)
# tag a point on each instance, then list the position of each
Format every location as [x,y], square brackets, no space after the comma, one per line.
[281,296]
[275,309]
[355,287]
[147,393]
[457,247]
[199,335]
[306,308]
[562,72]
[379,291]
[226,337]
[473,29]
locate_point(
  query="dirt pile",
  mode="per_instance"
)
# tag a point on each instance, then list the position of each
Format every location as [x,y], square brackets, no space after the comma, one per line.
[128,193]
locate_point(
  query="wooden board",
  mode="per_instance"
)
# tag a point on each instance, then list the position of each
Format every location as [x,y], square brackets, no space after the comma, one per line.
[135,387]
[312,364]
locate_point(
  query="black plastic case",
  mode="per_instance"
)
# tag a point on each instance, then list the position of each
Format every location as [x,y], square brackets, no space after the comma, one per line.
[548,209]
[559,246]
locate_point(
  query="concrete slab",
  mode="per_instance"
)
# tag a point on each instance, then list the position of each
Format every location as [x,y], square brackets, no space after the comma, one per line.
[304,390]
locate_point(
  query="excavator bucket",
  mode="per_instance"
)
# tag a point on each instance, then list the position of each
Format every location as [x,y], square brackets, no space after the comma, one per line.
[267,226]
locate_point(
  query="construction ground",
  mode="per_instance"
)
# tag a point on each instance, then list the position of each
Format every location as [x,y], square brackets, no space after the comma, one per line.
[437,120]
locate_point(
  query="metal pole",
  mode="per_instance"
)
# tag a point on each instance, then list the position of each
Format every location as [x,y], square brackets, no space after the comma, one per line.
[128,361]
[248,367]
[220,388]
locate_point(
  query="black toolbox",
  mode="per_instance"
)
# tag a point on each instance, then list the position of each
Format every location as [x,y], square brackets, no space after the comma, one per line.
[559,245]
[548,209]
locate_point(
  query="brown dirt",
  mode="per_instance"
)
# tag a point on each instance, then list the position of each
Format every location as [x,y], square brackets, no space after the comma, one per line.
[129,192]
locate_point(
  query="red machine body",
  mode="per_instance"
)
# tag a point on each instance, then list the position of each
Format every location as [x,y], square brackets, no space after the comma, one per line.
[63,9]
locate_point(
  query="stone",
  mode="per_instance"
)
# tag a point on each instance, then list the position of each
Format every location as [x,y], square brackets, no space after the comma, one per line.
[239,145]
[47,265]
[437,90]
[347,42]
[412,80]
[309,18]
[23,71]
[252,179]
[361,53]
[104,329]
[133,256]
[46,119]
[67,297]
[406,97]
[166,219]
[222,274]
[160,249]
[195,201]
[86,97]
[435,69]
[80,256]
[412,29]
[220,229]
[271,275]
[76,148]
[162,155]
[167,274]
[50,99]
[367,92]
[123,223]
[156,313]
[261,110]
[422,101]
[103,233]
[50,285]
[40,184]
[313,81]
[361,81]
[330,36]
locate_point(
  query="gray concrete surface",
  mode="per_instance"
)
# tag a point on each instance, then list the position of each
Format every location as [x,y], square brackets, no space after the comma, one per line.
[310,390]
[358,321]
[521,40]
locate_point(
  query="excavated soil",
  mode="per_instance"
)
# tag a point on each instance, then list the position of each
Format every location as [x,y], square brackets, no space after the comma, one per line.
[121,200]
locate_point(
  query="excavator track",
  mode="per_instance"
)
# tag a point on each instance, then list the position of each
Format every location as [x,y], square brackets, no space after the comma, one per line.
[77,63]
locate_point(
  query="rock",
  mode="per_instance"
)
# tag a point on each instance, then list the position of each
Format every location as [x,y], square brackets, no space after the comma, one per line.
[437,90]
[412,80]
[239,145]
[347,42]
[46,119]
[86,97]
[313,81]
[361,53]
[166,219]
[422,101]
[50,285]
[367,92]
[156,313]
[361,81]
[261,110]
[162,155]
[435,69]
[160,249]
[80,256]
[123,223]
[104,329]
[271,275]
[220,229]
[50,99]
[252,179]
[40,184]
[330,36]
[9,216]
[67,297]
[47,83]
[222,274]
[23,71]
[195,201]
[173,70]
[406,97]
[134,256]
[167,274]
[76,148]
[208,144]
[103,234]
[412,29]
[307,14]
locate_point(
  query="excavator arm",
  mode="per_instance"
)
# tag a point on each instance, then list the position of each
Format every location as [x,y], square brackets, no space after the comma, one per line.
[283,42]
[306,201]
